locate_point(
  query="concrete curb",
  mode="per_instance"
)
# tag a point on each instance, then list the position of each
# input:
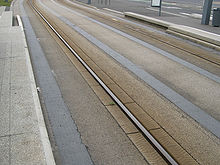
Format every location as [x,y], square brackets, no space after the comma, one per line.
[113,11]
[196,33]
[204,43]
[41,124]
[200,36]
[148,19]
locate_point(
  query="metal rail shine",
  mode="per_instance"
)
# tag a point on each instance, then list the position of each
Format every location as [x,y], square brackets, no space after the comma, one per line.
[113,96]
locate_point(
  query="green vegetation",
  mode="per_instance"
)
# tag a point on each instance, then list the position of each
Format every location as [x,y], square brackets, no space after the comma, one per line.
[3,3]
[111,103]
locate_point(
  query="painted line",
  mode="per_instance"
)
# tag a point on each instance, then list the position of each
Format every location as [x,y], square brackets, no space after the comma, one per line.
[172,7]
[145,1]
[149,46]
[195,15]
[41,124]
[148,8]
[192,110]
[170,3]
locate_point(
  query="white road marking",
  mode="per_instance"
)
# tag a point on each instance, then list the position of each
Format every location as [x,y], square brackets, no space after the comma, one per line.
[194,15]
[148,8]
[114,11]
[171,7]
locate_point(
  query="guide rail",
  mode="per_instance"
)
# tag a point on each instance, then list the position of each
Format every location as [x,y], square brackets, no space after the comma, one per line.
[147,134]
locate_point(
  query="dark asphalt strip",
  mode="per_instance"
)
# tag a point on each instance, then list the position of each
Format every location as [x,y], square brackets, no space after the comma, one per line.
[71,149]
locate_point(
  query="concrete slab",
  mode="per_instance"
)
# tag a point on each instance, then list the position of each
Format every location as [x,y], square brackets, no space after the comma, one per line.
[146,149]
[105,98]
[106,79]
[4,151]
[120,93]
[2,9]
[122,119]
[142,116]
[4,110]
[17,48]
[22,117]
[2,62]
[26,149]
[4,124]
[181,156]
[5,74]
[18,70]
[3,49]
[7,33]
[91,81]
[6,19]
[21,124]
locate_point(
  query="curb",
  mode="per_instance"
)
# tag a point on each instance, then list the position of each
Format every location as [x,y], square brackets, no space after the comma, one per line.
[196,35]
[49,158]
[113,11]
[204,43]
[149,19]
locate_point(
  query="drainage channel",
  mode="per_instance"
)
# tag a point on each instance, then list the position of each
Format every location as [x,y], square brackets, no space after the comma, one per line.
[147,134]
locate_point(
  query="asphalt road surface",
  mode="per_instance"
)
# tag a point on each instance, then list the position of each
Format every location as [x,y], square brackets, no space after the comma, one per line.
[192,8]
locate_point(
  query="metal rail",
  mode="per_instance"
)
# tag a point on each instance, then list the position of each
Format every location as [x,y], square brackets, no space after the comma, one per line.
[156,144]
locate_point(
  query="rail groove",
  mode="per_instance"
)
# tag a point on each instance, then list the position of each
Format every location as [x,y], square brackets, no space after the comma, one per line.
[153,141]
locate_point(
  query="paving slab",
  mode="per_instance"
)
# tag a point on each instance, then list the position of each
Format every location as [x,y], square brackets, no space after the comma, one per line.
[2,9]
[25,149]
[22,130]
[4,150]
[6,19]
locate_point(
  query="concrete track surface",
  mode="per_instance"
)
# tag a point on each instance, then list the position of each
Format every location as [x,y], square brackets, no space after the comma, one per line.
[170,85]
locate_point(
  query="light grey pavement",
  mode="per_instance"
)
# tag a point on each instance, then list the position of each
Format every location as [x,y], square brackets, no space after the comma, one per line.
[23,135]
[2,9]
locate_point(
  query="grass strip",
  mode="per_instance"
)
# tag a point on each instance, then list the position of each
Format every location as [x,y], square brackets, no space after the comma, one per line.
[4,3]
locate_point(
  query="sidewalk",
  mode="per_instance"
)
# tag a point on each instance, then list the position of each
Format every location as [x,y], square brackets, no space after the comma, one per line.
[23,136]
[182,20]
